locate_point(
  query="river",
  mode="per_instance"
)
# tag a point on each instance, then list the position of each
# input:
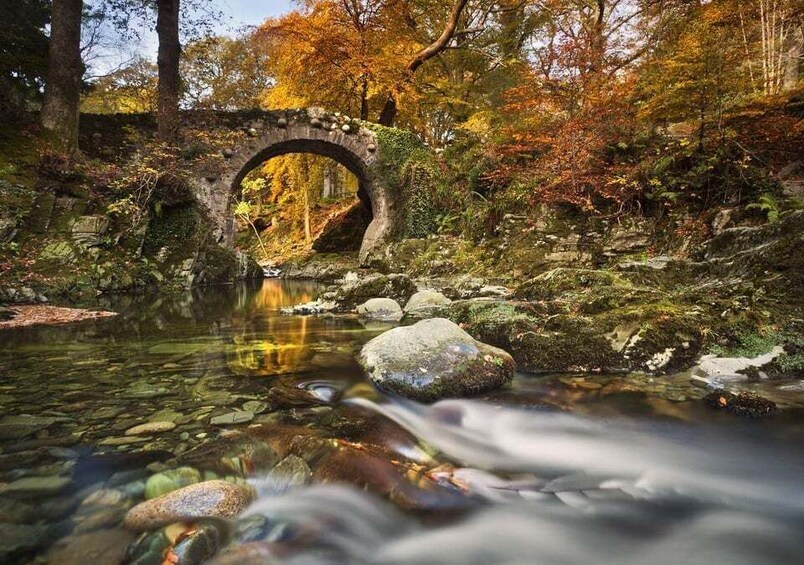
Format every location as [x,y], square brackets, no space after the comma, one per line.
[570,469]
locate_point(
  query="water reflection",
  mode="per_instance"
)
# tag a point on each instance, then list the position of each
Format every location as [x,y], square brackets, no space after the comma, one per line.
[552,487]
[269,343]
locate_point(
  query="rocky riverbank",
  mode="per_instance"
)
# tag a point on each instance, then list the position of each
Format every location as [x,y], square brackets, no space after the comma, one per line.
[740,292]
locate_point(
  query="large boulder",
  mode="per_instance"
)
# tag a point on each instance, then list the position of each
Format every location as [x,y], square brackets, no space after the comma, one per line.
[654,337]
[380,309]
[434,359]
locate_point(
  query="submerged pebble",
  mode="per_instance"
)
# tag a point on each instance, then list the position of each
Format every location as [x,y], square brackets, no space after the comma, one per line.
[240,417]
[150,428]
[209,499]
[170,480]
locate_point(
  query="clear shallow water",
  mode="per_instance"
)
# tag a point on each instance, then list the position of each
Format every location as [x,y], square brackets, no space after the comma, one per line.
[559,469]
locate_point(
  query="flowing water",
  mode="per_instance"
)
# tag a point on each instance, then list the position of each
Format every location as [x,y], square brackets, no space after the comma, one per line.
[571,469]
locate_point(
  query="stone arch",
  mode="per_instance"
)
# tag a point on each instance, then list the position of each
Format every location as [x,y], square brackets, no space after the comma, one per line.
[278,134]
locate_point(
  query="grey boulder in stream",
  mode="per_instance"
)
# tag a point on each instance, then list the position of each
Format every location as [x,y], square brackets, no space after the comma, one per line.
[434,359]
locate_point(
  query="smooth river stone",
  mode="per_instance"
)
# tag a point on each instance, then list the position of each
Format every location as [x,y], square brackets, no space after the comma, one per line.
[240,417]
[150,428]
[170,480]
[210,499]
[37,486]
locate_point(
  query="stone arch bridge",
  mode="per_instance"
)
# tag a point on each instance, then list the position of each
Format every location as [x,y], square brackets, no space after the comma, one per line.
[245,140]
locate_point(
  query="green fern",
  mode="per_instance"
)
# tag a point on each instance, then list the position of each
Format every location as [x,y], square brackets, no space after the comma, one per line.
[768,205]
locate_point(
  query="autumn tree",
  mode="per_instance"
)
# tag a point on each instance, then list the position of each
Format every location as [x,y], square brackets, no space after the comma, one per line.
[130,15]
[389,109]
[65,69]
[130,89]
[462,89]
[222,73]
[332,53]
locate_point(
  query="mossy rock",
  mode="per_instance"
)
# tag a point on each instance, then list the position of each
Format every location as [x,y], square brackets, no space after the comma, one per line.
[58,252]
[16,203]
[744,404]
[434,359]
[395,286]
[215,265]
[556,282]
[538,341]
[176,228]
[663,337]
[651,337]
[495,321]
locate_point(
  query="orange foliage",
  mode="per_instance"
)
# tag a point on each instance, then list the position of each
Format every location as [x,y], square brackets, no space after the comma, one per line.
[334,57]
[562,137]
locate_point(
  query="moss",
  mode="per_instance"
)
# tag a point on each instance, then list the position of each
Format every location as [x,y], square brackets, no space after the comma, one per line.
[16,203]
[538,342]
[748,343]
[420,212]
[555,282]
[494,322]
[409,168]
[18,156]
[790,364]
[177,228]
[744,404]
[215,265]
[472,377]
[574,348]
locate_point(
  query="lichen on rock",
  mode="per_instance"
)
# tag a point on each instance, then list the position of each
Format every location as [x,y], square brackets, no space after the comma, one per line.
[434,359]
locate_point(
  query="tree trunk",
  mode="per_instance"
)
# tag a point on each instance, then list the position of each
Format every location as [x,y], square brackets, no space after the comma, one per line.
[794,55]
[389,110]
[65,69]
[308,235]
[364,108]
[167,30]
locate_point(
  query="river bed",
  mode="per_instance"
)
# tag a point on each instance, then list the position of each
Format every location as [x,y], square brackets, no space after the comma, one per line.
[553,469]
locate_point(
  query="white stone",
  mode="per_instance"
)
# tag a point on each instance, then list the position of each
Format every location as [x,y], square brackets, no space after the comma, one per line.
[380,309]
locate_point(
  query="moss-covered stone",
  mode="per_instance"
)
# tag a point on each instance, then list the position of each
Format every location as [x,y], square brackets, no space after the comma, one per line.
[434,359]
[555,282]
[395,286]
[177,229]
[543,337]
[410,170]
[743,404]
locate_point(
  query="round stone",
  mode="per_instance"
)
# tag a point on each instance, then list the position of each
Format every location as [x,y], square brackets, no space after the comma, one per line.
[434,359]
[385,309]
[371,147]
[346,128]
[170,480]
[426,299]
[282,122]
[210,499]
[315,122]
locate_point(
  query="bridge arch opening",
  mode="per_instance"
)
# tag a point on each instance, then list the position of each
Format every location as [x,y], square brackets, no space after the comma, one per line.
[303,194]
